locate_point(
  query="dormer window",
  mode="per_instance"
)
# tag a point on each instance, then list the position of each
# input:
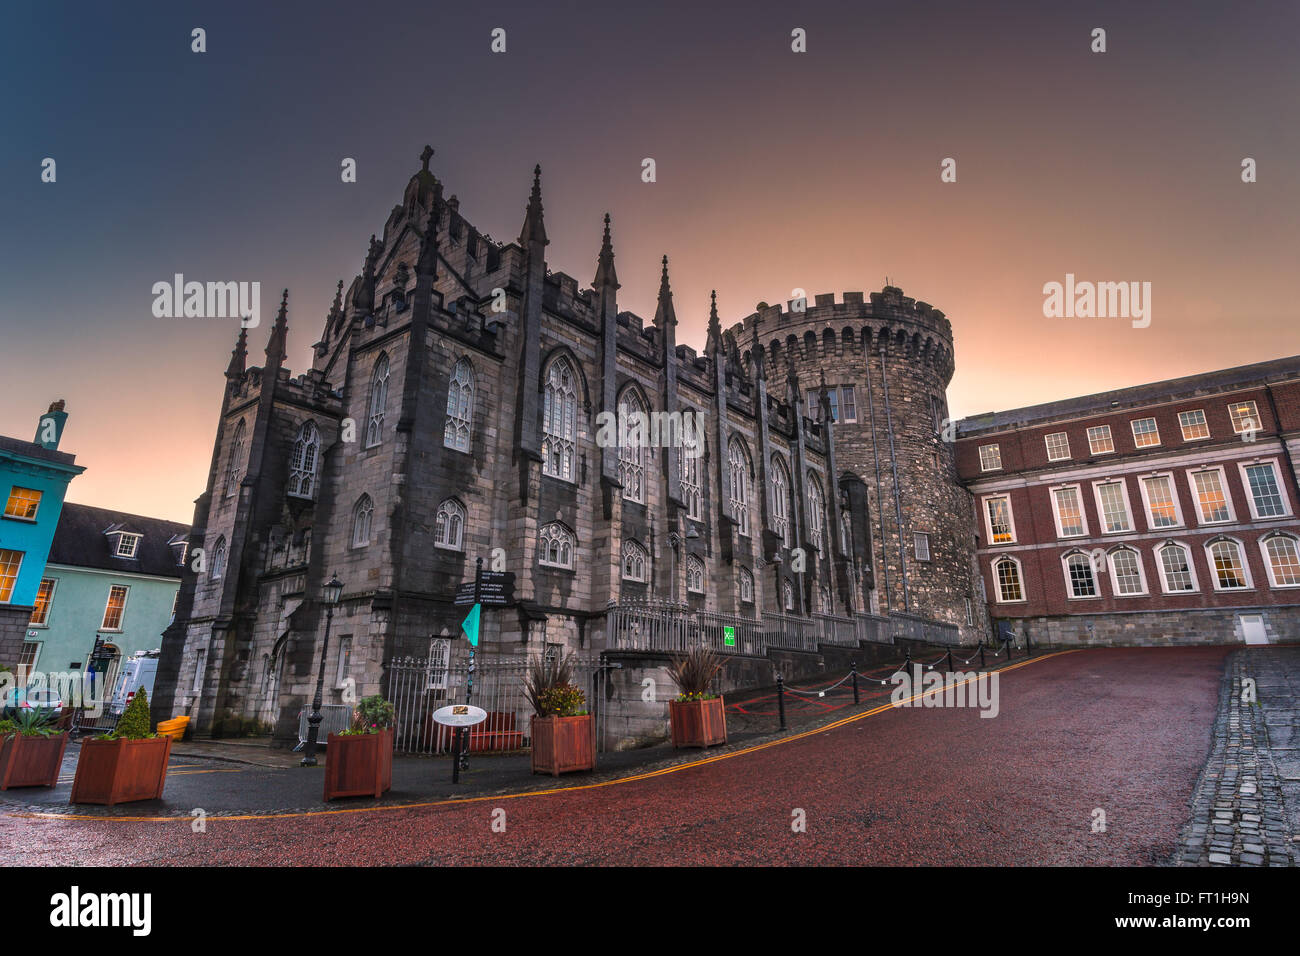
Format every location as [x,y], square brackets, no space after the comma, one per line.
[127,545]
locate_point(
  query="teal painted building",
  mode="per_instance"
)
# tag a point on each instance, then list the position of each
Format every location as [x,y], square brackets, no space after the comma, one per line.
[107,591]
[34,477]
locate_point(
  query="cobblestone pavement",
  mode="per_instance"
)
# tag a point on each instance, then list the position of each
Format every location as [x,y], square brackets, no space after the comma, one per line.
[1252,778]
[1124,731]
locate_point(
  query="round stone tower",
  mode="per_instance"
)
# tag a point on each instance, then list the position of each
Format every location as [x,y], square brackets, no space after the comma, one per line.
[887,363]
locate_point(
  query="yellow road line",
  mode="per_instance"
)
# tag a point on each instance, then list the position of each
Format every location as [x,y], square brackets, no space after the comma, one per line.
[662,771]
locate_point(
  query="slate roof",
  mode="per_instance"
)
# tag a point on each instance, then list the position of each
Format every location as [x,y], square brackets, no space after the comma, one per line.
[80,541]
[29,449]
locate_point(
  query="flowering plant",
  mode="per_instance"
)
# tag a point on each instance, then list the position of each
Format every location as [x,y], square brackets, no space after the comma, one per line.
[562,700]
[372,715]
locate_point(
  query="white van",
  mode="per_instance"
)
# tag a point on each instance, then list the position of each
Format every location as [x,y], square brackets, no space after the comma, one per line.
[135,672]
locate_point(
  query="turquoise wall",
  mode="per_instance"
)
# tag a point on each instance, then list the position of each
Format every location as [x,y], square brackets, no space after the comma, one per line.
[80,595]
[32,538]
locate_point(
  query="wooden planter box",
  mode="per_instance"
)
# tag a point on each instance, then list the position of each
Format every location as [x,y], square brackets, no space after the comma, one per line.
[359,765]
[31,761]
[119,771]
[563,744]
[698,723]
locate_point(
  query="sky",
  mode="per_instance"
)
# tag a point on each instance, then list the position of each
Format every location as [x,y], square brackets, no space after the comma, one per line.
[775,170]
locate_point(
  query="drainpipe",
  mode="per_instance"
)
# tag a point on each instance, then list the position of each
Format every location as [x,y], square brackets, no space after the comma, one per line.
[898,508]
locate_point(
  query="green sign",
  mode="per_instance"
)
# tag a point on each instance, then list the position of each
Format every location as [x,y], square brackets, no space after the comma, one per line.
[729,636]
[470,625]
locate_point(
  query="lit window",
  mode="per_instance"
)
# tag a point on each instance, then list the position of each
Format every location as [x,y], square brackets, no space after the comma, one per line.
[1245,417]
[848,403]
[636,562]
[1176,565]
[998,510]
[1265,495]
[234,466]
[739,469]
[560,420]
[378,402]
[1069,513]
[1126,572]
[1113,507]
[694,575]
[363,513]
[1079,575]
[1099,440]
[1229,570]
[1193,425]
[816,511]
[746,587]
[1007,573]
[28,657]
[1145,432]
[23,503]
[1058,446]
[555,546]
[1210,496]
[632,439]
[115,608]
[780,500]
[44,598]
[10,562]
[449,529]
[460,407]
[1162,508]
[990,457]
[302,466]
[1283,561]
[921,545]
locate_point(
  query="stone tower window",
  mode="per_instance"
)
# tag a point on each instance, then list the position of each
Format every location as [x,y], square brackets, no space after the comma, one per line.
[217,564]
[787,593]
[556,545]
[740,470]
[781,500]
[449,531]
[460,407]
[378,402]
[560,420]
[632,424]
[363,513]
[694,575]
[235,466]
[302,466]
[636,561]
[690,468]
[746,586]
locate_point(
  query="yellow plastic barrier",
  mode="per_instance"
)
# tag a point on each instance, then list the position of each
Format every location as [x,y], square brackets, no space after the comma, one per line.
[174,728]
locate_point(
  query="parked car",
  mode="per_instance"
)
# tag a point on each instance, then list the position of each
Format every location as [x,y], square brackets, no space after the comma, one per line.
[34,698]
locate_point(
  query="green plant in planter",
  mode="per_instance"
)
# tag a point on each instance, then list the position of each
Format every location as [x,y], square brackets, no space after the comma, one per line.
[135,723]
[562,700]
[7,727]
[694,671]
[35,722]
[549,687]
[372,715]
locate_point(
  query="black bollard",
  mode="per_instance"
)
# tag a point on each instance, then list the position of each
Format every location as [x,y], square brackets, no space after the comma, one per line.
[981,653]
[853,665]
[780,698]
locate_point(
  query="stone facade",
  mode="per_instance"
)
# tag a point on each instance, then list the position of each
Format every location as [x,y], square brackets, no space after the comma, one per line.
[453,413]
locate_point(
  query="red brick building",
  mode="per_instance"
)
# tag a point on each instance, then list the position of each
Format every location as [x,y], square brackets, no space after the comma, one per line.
[1164,513]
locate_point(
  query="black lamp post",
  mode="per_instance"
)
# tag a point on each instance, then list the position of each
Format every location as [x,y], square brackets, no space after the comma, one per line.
[330,595]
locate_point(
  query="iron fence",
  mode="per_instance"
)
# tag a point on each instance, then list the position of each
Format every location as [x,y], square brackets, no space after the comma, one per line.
[872,629]
[417,687]
[832,629]
[334,718]
[912,628]
[789,631]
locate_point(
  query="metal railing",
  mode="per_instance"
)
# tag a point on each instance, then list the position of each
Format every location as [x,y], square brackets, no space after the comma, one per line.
[912,628]
[873,629]
[832,629]
[334,719]
[790,632]
[417,687]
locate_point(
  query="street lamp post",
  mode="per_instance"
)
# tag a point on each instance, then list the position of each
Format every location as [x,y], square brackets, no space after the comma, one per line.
[330,595]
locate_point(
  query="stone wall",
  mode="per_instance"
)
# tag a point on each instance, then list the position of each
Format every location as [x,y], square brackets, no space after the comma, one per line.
[1158,628]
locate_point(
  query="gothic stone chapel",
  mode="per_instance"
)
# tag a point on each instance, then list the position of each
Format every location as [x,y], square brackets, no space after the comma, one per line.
[451,410]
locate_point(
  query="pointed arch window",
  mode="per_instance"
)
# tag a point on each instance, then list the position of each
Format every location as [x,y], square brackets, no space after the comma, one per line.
[449,529]
[302,466]
[235,466]
[217,563]
[781,500]
[694,575]
[846,535]
[787,594]
[740,470]
[816,511]
[556,545]
[688,457]
[633,423]
[363,513]
[460,407]
[636,562]
[827,606]
[746,586]
[378,402]
[560,420]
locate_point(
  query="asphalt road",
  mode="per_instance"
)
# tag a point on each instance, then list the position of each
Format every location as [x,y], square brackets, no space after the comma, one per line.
[1121,731]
